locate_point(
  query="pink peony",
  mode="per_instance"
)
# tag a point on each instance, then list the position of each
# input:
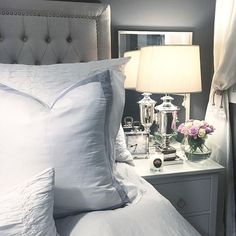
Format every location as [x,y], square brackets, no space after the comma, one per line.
[193,131]
[181,127]
[209,129]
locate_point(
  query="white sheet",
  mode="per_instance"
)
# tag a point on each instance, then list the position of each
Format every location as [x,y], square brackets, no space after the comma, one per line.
[149,214]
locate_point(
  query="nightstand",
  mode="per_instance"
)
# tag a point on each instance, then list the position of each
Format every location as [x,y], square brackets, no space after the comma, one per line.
[192,188]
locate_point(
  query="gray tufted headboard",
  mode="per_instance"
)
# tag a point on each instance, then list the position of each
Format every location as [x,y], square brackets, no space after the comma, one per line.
[48,32]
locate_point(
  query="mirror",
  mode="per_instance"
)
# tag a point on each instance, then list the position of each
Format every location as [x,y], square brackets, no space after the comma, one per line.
[135,40]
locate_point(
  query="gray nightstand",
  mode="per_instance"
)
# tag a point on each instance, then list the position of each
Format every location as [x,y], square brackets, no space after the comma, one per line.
[191,187]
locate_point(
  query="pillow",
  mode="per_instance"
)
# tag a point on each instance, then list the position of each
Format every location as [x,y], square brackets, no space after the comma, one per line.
[73,132]
[122,153]
[46,82]
[28,208]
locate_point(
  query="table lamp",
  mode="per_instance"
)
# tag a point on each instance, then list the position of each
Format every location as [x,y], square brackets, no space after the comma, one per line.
[146,105]
[169,69]
[131,69]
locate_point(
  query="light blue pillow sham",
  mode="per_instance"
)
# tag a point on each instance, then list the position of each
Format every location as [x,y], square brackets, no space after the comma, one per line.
[72,129]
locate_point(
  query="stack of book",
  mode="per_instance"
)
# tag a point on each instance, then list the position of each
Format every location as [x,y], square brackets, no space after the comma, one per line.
[177,160]
[170,156]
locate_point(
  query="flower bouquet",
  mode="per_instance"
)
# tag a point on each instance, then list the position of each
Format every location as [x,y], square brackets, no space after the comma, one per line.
[195,133]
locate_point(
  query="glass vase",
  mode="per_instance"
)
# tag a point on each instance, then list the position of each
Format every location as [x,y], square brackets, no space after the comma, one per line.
[195,150]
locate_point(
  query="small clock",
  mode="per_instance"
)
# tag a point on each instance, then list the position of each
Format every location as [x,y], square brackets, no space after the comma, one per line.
[137,143]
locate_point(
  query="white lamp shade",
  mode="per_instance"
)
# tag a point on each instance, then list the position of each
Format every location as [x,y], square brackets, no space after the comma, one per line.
[169,69]
[131,69]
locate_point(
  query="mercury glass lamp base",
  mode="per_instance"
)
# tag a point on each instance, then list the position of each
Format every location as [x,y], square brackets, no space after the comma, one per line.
[168,151]
[146,108]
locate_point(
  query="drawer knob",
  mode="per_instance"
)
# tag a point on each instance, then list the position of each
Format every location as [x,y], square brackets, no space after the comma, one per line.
[181,203]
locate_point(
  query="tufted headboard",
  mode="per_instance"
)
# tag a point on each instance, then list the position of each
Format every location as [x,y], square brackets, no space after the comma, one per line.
[49,32]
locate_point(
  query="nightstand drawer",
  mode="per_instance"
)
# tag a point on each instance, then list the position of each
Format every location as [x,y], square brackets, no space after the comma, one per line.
[200,222]
[188,196]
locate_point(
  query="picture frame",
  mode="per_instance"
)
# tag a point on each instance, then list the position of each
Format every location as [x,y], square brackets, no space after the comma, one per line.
[137,143]
[129,40]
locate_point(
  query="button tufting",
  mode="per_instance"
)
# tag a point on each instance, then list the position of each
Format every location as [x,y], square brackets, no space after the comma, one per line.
[48,39]
[1,38]
[24,39]
[69,39]
[37,63]
[14,62]
[59,61]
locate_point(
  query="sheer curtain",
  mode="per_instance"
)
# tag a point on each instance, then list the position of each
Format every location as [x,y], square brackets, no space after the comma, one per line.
[218,107]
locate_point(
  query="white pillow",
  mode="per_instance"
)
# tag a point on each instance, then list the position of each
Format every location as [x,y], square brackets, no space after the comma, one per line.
[47,82]
[28,208]
[122,153]
[75,133]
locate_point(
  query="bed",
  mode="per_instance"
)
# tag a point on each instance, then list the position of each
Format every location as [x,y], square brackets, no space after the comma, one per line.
[49,92]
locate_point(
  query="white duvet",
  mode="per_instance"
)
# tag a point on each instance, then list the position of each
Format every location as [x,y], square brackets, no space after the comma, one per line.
[149,214]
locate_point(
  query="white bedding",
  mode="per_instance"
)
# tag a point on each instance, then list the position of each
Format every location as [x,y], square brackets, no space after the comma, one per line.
[149,214]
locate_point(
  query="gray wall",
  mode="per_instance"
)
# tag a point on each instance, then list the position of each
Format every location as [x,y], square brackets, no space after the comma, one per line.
[176,15]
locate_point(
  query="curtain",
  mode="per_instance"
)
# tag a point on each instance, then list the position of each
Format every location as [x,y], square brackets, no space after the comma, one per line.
[218,107]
